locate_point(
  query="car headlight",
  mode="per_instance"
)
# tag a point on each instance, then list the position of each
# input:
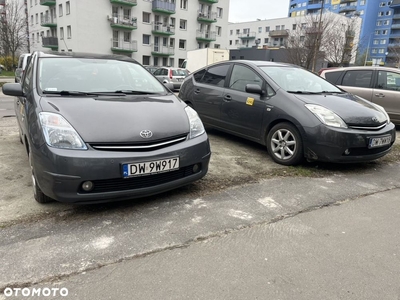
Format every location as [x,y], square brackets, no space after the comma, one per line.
[326,116]
[384,112]
[196,126]
[59,133]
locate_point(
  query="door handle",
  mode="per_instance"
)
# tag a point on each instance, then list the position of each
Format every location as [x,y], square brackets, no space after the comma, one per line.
[227,98]
[197,91]
[380,95]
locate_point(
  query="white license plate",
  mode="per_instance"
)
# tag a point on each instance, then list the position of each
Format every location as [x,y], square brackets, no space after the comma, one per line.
[180,79]
[150,167]
[379,141]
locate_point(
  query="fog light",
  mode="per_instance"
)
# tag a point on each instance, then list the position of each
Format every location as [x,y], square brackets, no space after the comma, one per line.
[87,186]
[196,168]
[347,152]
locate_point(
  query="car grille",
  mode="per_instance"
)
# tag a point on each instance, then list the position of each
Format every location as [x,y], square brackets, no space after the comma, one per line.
[380,126]
[132,183]
[143,146]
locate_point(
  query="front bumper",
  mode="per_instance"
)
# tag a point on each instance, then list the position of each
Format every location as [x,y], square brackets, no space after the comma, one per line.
[60,173]
[331,144]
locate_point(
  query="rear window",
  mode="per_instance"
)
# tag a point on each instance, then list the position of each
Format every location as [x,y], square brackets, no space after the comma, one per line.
[179,73]
[333,77]
[357,78]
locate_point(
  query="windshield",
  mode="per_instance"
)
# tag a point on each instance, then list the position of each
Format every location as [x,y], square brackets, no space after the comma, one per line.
[89,75]
[297,80]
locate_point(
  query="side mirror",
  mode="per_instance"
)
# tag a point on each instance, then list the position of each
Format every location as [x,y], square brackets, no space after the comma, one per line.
[254,89]
[13,89]
[169,86]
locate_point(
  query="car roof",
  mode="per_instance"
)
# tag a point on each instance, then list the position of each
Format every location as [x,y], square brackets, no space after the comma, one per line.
[259,63]
[85,55]
[359,68]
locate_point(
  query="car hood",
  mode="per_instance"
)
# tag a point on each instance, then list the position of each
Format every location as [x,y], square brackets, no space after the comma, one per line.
[354,110]
[121,119]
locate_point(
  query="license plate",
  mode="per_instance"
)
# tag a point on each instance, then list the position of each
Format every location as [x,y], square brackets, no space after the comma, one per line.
[379,141]
[150,167]
[180,79]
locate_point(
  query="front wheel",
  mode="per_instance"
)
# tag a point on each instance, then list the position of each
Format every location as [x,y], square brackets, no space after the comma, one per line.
[284,144]
[37,192]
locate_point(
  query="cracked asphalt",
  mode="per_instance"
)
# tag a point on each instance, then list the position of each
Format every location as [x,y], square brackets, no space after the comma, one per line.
[251,229]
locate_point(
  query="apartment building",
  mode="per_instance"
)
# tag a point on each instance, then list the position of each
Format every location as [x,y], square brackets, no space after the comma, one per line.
[157,32]
[380,29]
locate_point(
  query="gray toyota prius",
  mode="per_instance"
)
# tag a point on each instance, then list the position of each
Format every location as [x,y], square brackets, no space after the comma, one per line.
[101,128]
[293,112]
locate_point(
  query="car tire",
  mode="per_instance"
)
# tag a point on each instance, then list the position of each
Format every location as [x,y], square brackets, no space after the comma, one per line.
[39,196]
[285,145]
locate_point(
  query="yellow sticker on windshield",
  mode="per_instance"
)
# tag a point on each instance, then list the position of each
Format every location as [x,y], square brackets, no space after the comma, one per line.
[250,101]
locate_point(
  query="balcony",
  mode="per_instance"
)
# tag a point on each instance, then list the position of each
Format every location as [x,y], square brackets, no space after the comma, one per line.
[396,16]
[50,42]
[206,36]
[161,6]
[346,1]
[48,21]
[395,35]
[160,29]
[2,2]
[314,4]
[209,1]
[313,30]
[123,22]
[395,26]
[247,36]
[159,50]
[347,9]
[48,2]
[395,4]
[278,33]
[124,2]
[208,17]
[120,46]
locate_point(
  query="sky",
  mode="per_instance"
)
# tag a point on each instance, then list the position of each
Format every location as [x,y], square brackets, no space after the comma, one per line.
[251,10]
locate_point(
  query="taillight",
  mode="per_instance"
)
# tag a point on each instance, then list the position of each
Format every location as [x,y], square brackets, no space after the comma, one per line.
[170,74]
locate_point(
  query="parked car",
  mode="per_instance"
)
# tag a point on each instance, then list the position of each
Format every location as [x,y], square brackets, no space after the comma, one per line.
[380,85]
[171,75]
[100,128]
[293,112]
[22,62]
[151,69]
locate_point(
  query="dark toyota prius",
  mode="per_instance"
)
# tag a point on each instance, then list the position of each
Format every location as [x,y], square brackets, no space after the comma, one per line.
[292,111]
[102,128]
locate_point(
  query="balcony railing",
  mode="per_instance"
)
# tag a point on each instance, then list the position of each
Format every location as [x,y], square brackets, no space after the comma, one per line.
[119,45]
[125,2]
[346,1]
[206,36]
[123,22]
[348,8]
[396,16]
[395,26]
[160,29]
[162,6]
[48,2]
[159,50]
[48,21]
[208,17]
[209,1]
[276,33]
[50,42]
[247,36]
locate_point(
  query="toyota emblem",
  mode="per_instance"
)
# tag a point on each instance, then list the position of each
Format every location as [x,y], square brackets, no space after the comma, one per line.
[375,119]
[146,134]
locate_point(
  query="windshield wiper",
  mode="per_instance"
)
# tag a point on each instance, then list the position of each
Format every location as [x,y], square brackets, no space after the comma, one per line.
[302,92]
[332,92]
[132,92]
[71,93]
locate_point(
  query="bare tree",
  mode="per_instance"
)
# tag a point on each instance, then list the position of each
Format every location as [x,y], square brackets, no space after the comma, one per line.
[13,28]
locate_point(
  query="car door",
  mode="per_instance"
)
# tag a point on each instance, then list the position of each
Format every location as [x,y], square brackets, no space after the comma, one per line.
[358,82]
[242,112]
[208,92]
[386,93]
[157,74]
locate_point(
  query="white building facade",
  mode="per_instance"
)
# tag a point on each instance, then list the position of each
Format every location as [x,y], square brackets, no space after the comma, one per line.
[157,32]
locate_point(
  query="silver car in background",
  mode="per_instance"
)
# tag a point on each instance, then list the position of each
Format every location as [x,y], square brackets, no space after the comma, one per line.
[171,75]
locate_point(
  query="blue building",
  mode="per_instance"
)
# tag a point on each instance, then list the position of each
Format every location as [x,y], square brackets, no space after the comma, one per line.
[380,29]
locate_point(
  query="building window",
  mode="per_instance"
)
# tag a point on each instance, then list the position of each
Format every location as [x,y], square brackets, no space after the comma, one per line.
[146,60]
[383,42]
[384,32]
[218,29]
[267,29]
[266,40]
[60,10]
[69,32]
[184,4]
[146,39]
[362,2]
[146,17]
[236,42]
[259,29]
[230,32]
[31,19]
[237,31]
[217,46]
[219,12]
[172,43]
[61,33]
[37,37]
[182,24]
[294,27]
[36,18]
[67,8]
[381,51]
[374,51]
[127,37]
[230,42]
[182,44]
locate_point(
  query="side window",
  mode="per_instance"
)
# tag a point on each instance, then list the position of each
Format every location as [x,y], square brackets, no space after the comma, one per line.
[157,72]
[216,75]
[164,72]
[358,78]
[333,77]
[241,76]
[388,81]
[199,75]
[28,75]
